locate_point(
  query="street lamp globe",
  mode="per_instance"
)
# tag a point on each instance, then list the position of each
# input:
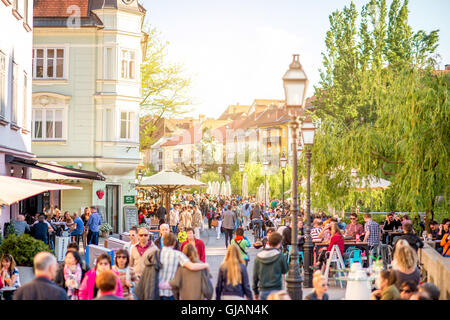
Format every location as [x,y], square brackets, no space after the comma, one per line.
[308,132]
[265,166]
[283,161]
[295,84]
[139,176]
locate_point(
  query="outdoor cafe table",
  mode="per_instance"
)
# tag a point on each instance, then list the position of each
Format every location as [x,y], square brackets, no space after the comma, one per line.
[7,289]
[347,244]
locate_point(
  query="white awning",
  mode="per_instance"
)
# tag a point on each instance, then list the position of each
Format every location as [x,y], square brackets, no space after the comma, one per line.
[169,178]
[15,189]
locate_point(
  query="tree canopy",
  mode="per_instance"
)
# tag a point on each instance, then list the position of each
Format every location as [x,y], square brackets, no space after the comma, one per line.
[383,111]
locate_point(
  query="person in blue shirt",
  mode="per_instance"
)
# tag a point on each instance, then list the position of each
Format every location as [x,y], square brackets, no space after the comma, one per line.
[79,227]
[95,220]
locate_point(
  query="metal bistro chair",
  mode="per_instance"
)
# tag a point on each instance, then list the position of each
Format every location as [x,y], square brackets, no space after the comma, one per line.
[355,256]
[300,255]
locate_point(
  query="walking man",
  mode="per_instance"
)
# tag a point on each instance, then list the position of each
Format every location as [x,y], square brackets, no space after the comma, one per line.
[197,221]
[140,251]
[270,265]
[228,224]
[95,220]
[42,286]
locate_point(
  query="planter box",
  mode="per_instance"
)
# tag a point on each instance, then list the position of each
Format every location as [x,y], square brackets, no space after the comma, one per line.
[26,274]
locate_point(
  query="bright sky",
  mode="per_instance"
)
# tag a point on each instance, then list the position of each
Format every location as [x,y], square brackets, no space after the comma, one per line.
[238,50]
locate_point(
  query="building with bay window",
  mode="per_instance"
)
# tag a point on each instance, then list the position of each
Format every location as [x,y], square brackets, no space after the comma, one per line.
[86,93]
[16,41]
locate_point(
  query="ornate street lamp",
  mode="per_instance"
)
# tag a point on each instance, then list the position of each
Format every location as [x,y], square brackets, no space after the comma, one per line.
[308,131]
[241,169]
[219,170]
[283,163]
[295,84]
[265,168]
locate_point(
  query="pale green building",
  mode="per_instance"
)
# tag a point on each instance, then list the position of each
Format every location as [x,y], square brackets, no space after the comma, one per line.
[86,92]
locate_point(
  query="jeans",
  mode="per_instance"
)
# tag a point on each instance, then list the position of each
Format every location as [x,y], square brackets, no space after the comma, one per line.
[174,229]
[166,298]
[228,235]
[94,238]
[264,294]
[257,226]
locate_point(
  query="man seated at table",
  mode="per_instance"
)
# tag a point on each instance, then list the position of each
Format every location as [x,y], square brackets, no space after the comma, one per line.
[414,241]
[434,226]
[354,227]
[392,222]
[316,229]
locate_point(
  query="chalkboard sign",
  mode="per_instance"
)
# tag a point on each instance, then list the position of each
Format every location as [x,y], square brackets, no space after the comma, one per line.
[131,217]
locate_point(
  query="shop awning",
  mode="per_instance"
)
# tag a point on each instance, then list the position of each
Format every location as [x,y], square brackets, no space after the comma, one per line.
[48,171]
[14,189]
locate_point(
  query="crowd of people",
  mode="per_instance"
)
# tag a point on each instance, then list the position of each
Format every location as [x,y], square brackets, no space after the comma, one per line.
[173,266]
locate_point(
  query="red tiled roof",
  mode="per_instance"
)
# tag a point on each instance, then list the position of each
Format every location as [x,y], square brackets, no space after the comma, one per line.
[191,136]
[59,8]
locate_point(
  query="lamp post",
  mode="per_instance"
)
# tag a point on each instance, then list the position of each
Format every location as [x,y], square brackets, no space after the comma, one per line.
[283,163]
[265,168]
[241,169]
[308,131]
[295,85]
[219,170]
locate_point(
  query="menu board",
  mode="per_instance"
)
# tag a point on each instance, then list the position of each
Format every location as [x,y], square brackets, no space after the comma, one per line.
[131,217]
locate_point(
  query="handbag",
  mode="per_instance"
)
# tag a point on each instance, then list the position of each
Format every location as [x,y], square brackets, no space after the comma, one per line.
[207,286]
[214,223]
[239,245]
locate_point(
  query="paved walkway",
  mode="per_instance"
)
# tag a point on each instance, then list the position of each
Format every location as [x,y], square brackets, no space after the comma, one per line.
[215,253]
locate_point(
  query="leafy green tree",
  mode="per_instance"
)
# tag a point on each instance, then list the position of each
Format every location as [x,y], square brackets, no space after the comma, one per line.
[165,87]
[382,111]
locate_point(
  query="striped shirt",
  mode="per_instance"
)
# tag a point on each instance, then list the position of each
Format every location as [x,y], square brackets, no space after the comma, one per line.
[170,259]
[374,232]
[315,232]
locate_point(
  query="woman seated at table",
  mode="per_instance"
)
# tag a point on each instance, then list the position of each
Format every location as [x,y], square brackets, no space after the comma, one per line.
[386,286]
[9,275]
[336,239]
[404,263]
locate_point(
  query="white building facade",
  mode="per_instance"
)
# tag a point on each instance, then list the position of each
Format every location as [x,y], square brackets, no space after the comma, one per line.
[16,41]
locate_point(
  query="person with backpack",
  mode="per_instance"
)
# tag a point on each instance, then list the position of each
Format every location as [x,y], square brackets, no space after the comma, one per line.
[270,265]
[242,242]
[232,281]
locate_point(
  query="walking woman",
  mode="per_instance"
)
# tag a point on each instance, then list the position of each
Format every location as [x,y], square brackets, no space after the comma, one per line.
[70,274]
[126,273]
[218,216]
[187,284]
[9,275]
[232,282]
[88,288]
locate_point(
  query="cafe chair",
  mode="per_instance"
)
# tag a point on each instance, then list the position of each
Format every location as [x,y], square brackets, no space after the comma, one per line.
[300,255]
[355,256]
[335,258]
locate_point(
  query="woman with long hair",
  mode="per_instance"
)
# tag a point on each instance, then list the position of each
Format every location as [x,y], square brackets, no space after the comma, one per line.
[70,274]
[232,282]
[404,263]
[187,284]
[85,219]
[336,239]
[9,275]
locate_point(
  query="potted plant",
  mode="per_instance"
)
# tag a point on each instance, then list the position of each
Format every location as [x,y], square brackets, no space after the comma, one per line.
[105,229]
[23,249]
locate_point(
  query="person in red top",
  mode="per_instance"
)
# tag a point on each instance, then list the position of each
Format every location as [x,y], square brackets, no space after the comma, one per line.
[336,239]
[199,245]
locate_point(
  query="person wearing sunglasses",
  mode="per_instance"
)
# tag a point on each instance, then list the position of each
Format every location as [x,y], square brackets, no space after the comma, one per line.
[141,250]
[320,287]
[354,227]
[126,273]
[407,289]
